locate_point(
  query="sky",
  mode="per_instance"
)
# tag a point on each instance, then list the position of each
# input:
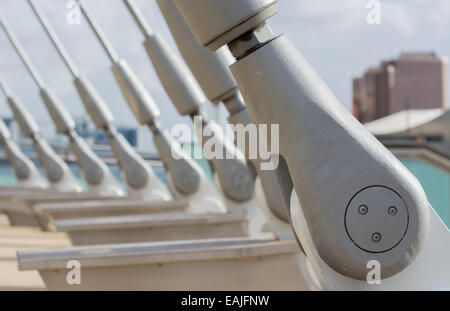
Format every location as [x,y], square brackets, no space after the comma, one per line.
[333,35]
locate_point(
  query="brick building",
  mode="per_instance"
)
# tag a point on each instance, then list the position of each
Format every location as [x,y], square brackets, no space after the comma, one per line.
[413,81]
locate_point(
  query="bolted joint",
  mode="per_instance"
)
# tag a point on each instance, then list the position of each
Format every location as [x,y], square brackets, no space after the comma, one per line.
[234,103]
[251,41]
[216,23]
[204,119]
[155,127]
[72,135]
[110,131]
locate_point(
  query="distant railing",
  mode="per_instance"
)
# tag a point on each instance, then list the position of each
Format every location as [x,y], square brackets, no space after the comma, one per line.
[103,151]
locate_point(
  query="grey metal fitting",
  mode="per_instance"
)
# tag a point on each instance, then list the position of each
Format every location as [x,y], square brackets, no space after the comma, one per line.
[26,122]
[93,103]
[134,168]
[251,41]
[4,132]
[234,104]
[93,168]
[53,166]
[335,164]
[21,165]
[184,172]
[209,68]
[140,101]
[215,23]
[62,119]
[175,77]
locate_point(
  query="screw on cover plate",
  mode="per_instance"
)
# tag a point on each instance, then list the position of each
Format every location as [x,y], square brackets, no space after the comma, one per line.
[392,211]
[376,237]
[363,209]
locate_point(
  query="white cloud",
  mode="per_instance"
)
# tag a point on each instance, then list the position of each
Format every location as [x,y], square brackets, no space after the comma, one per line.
[341,14]
[336,39]
[398,17]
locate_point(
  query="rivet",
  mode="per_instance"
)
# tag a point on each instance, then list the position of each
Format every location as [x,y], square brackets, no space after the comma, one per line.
[376,237]
[392,211]
[363,209]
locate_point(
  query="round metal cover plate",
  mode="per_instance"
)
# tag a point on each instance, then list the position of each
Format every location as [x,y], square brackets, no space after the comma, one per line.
[376,219]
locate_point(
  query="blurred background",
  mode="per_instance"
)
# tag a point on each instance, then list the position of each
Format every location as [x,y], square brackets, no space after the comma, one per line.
[391,74]
[334,36]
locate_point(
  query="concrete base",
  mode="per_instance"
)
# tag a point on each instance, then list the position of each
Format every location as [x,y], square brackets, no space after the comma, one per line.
[8,194]
[20,208]
[221,264]
[276,272]
[18,217]
[148,228]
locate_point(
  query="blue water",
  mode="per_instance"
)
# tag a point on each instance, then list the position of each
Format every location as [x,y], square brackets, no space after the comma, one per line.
[436,184]
[7,177]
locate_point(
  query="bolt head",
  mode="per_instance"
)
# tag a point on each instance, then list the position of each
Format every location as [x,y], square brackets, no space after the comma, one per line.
[392,211]
[363,209]
[362,224]
[376,237]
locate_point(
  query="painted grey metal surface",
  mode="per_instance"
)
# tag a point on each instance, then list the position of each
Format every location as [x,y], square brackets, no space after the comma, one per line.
[60,208]
[185,176]
[429,271]
[331,157]
[145,220]
[95,171]
[225,20]
[99,255]
[187,265]
[56,170]
[24,170]
[54,166]
[279,264]
[134,167]
[139,176]
[152,228]
[147,113]
[183,172]
[235,178]
[60,116]
[94,104]
[26,122]
[21,166]
[178,82]
[211,68]
[379,227]
[272,189]
[204,65]
[175,77]
[140,101]
[354,159]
